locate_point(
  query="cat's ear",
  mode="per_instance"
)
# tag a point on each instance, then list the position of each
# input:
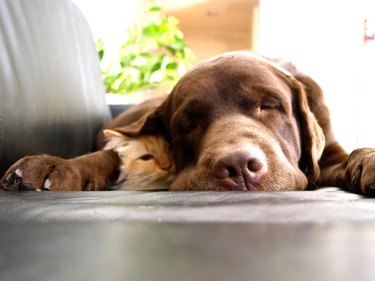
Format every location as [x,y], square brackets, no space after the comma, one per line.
[108,133]
[115,139]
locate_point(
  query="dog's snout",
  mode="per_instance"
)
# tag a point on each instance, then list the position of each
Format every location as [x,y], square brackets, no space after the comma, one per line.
[240,170]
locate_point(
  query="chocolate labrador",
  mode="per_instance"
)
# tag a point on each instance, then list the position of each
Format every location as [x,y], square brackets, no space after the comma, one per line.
[235,122]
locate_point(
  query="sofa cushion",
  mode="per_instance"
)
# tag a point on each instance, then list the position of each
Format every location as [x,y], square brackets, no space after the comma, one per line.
[51,92]
[120,235]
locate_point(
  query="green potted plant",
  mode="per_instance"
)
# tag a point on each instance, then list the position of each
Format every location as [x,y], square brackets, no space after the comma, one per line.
[154,53]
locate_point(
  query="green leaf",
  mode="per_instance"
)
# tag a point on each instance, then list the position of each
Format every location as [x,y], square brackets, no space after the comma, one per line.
[172,65]
[101,54]
[154,51]
[154,9]
[156,66]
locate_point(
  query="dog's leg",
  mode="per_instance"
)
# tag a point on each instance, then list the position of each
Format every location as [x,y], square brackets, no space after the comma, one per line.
[43,172]
[354,172]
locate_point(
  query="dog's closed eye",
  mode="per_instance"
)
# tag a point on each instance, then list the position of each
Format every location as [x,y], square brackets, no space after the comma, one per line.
[270,103]
[192,126]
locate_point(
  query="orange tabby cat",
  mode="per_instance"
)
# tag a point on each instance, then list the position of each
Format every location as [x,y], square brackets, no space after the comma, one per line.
[145,161]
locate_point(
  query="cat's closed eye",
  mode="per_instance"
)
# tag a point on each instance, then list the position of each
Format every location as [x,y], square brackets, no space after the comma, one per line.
[146,157]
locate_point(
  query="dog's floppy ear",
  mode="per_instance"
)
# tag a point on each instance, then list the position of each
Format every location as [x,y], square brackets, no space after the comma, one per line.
[313,118]
[312,135]
[145,118]
[149,123]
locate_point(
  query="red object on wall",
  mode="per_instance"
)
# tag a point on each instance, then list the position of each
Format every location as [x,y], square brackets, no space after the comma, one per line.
[369,30]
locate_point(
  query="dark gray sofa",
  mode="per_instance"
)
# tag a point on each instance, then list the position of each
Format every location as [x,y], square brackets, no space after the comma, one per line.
[51,101]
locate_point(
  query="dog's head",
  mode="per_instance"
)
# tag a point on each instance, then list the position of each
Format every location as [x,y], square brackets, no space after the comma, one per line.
[238,122]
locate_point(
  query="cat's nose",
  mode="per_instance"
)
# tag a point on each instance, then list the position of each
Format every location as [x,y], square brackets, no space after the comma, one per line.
[165,164]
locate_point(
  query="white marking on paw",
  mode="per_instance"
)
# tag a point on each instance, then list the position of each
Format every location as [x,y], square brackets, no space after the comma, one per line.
[19,173]
[47,184]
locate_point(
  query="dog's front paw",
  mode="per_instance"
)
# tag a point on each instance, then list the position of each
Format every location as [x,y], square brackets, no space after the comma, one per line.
[13,181]
[41,172]
[361,169]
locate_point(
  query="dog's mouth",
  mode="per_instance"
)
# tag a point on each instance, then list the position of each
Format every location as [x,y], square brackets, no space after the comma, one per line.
[239,184]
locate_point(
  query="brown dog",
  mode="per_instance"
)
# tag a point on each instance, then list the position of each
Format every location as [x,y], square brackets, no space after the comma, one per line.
[236,122]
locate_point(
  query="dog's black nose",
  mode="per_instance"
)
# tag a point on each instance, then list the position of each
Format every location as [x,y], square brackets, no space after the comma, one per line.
[240,170]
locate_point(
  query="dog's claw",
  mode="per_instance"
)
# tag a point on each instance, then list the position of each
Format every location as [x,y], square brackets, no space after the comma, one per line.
[10,178]
[370,191]
[26,187]
[19,173]
[47,185]
[13,180]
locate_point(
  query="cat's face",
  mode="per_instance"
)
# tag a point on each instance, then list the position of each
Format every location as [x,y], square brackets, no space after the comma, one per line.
[145,161]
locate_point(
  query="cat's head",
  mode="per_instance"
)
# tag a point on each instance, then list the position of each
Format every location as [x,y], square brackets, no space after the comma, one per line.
[145,160]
